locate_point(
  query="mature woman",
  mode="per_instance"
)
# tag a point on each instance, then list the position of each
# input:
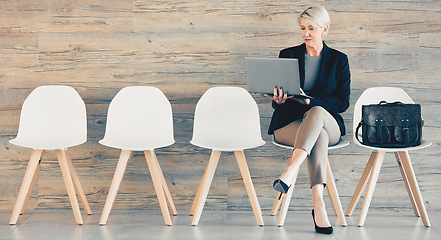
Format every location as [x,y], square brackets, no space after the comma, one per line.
[311,125]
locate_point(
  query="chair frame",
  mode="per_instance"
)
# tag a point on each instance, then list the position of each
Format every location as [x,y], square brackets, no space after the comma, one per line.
[370,176]
[373,166]
[71,181]
[331,188]
[204,187]
[159,183]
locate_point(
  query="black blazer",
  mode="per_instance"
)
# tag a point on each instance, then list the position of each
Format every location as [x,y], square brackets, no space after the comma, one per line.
[331,91]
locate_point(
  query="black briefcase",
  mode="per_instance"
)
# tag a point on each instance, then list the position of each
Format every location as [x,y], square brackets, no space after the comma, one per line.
[391,125]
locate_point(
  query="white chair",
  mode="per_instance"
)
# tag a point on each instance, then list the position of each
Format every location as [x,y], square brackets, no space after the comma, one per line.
[330,186]
[52,118]
[372,170]
[139,119]
[226,119]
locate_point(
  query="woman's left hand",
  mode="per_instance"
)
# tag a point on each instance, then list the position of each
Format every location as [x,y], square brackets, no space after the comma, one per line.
[302,100]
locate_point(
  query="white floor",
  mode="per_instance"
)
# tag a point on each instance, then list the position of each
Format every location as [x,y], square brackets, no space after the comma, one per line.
[58,224]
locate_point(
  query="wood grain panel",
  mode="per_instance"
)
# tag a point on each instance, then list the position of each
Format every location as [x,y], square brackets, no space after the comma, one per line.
[186,47]
[68,16]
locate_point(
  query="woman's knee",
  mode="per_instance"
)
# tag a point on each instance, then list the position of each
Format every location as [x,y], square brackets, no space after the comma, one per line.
[321,145]
[316,111]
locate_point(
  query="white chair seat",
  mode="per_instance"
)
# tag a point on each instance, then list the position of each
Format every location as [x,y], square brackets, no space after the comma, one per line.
[44,144]
[52,117]
[227,119]
[423,144]
[228,146]
[139,118]
[135,144]
[341,143]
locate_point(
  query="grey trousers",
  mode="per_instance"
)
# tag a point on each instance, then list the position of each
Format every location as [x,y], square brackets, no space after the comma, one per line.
[314,133]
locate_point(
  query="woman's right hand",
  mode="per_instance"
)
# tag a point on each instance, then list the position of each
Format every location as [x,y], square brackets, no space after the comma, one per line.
[279,96]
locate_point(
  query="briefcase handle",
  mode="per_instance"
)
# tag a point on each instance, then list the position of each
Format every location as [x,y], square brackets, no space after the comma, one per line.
[392,103]
[356,131]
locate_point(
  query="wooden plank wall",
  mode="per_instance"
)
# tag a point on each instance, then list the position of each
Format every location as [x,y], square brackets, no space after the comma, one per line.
[186,47]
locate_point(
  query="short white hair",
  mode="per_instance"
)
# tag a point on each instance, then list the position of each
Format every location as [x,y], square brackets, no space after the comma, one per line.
[316,16]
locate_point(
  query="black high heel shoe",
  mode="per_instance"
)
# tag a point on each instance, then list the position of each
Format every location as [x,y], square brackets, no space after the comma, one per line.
[280,186]
[324,230]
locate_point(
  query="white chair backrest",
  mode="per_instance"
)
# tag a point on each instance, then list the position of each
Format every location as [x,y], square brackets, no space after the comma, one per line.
[227,119]
[374,96]
[52,117]
[139,118]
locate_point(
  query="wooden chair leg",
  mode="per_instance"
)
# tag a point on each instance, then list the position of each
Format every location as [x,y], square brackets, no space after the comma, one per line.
[360,186]
[62,159]
[28,195]
[78,188]
[406,183]
[244,170]
[335,199]
[378,161]
[331,189]
[168,197]
[198,193]
[26,184]
[285,203]
[157,182]
[117,178]
[407,165]
[276,204]
[205,186]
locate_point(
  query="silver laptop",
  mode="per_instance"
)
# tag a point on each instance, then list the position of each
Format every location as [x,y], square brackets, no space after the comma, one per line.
[263,74]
